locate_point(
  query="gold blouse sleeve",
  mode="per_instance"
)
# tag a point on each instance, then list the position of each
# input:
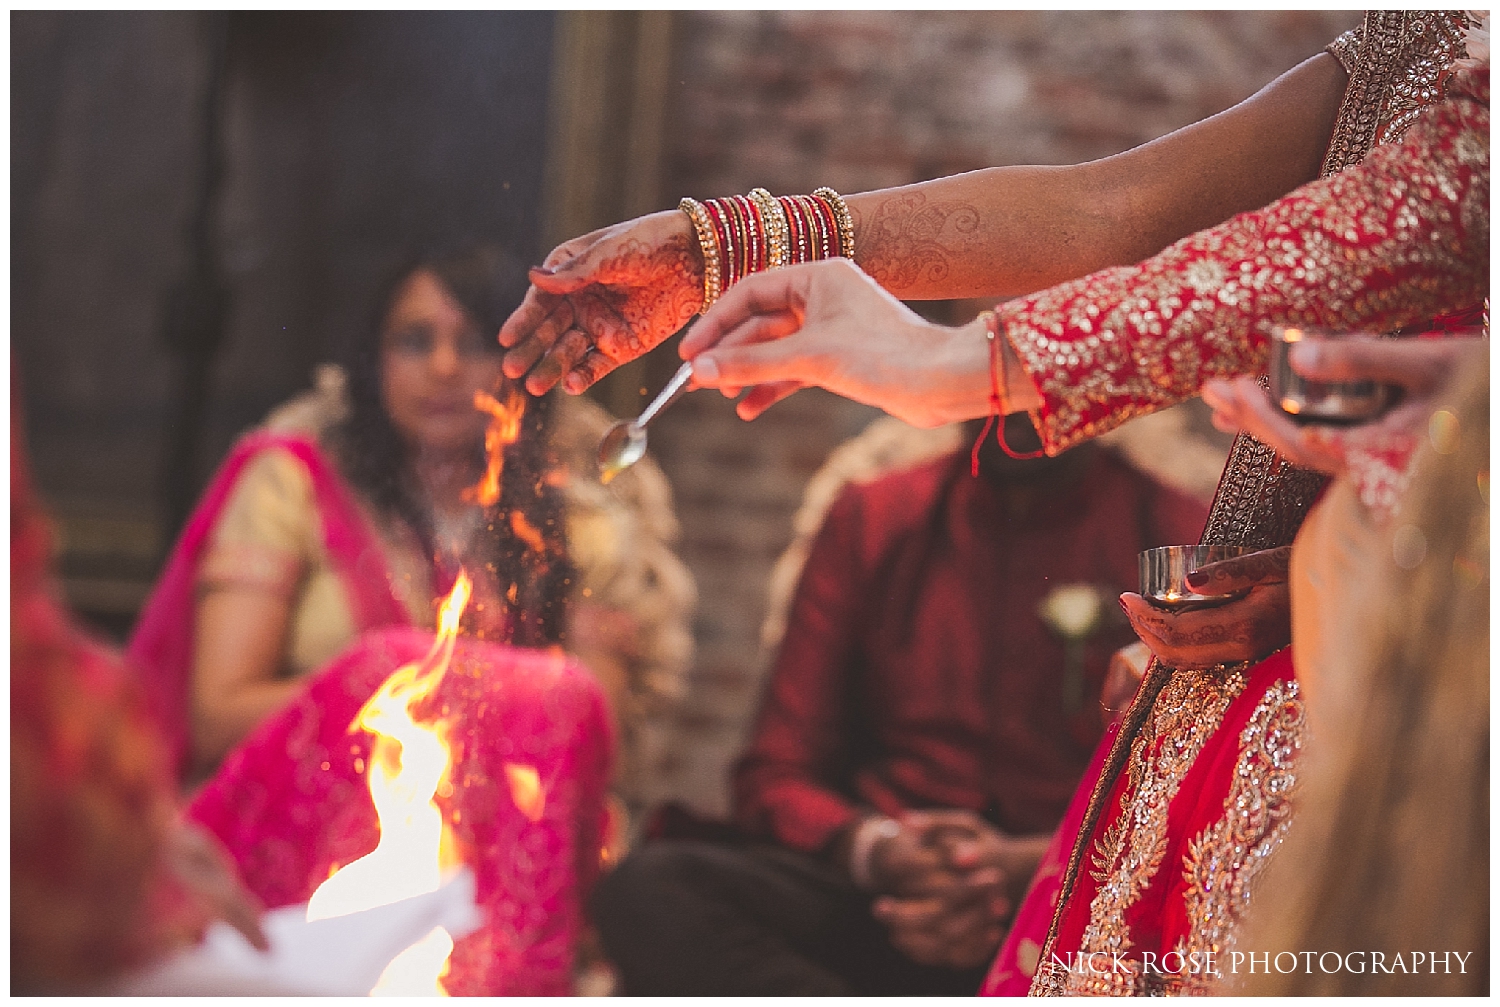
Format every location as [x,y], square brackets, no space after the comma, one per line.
[265,535]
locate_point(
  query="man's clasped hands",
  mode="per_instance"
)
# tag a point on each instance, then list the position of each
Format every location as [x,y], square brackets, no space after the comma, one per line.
[946,882]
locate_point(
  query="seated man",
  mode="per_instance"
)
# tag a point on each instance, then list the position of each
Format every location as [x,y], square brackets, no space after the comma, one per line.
[930,710]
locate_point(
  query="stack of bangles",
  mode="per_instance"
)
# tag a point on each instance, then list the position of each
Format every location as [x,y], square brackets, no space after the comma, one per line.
[748,234]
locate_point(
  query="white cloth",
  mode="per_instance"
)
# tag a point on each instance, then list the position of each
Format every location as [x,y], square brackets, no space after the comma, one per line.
[343,956]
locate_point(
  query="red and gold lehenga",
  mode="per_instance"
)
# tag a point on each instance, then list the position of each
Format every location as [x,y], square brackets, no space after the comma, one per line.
[1195,793]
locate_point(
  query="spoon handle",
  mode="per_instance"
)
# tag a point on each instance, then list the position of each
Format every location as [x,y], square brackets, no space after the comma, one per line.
[671,393]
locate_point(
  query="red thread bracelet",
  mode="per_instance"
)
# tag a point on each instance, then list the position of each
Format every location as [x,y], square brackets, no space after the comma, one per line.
[996,417]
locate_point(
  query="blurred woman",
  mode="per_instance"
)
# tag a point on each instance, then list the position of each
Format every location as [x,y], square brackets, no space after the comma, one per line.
[1390,850]
[312,570]
[105,879]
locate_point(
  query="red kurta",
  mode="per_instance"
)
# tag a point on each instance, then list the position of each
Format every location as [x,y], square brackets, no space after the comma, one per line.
[916,672]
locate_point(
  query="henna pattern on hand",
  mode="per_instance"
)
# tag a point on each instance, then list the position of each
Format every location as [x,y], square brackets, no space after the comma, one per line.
[641,294]
[644,294]
[1244,630]
[909,240]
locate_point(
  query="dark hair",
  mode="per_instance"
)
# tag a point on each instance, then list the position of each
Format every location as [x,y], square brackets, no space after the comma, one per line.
[488,283]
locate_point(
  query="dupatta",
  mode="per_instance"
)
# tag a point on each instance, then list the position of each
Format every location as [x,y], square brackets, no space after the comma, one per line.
[161,646]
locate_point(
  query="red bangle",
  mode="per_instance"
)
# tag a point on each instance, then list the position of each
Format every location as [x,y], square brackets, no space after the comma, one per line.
[827,228]
[797,225]
[759,259]
[749,236]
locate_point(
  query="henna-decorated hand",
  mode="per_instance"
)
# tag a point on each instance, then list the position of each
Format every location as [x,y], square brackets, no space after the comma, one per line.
[1422,367]
[1246,629]
[604,299]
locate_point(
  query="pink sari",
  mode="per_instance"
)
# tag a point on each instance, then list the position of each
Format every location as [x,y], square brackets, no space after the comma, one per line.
[290,803]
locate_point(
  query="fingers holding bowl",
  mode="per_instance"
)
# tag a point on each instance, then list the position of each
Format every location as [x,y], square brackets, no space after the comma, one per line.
[1240,573]
[1241,404]
[1246,629]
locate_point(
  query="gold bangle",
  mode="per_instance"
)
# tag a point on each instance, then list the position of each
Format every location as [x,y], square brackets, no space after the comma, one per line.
[844,218]
[778,230]
[712,269]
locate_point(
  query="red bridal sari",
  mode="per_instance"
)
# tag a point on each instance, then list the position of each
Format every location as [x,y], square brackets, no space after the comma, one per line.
[1194,795]
[290,802]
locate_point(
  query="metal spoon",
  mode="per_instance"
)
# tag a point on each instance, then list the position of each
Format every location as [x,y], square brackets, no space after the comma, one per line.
[625,443]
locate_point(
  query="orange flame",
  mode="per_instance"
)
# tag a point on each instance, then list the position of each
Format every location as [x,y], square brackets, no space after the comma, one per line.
[504,428]
[526,532]
[526,790]
[408,764]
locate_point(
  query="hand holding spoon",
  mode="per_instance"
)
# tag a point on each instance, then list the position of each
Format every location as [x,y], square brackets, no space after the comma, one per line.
[625,443]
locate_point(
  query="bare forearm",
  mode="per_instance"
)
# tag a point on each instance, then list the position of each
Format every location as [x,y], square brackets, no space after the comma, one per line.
[220,725]
[1013,230]
[239,635]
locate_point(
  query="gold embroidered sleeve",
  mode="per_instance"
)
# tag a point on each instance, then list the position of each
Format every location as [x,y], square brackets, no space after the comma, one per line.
[1395,240]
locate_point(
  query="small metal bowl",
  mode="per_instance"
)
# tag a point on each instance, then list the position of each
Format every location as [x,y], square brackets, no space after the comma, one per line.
[1164,573]
[1340,402]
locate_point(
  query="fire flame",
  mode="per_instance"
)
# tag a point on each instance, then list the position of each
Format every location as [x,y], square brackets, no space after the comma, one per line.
[526,790]
[504,428]
[527,532]
[418,971]
[408,761]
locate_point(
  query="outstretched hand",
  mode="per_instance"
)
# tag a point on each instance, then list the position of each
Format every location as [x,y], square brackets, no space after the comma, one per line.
[1421,367]
[603,299]
[828,324]
[1246,629]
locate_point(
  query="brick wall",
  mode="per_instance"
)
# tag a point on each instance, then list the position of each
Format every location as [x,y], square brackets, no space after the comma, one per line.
[861,100]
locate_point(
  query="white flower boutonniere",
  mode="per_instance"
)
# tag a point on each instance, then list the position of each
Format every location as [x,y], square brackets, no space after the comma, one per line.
[1073,612]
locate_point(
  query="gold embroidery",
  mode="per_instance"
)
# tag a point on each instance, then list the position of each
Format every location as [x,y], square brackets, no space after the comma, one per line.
[1136,715]
[1261,499]
[1222,863]
[1431,44]
[1107,850]
[1187,713]
[1345,49]
[1398,68]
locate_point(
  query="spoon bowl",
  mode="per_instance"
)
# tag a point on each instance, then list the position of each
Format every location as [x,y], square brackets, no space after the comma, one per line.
[621,447]
[625,442]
